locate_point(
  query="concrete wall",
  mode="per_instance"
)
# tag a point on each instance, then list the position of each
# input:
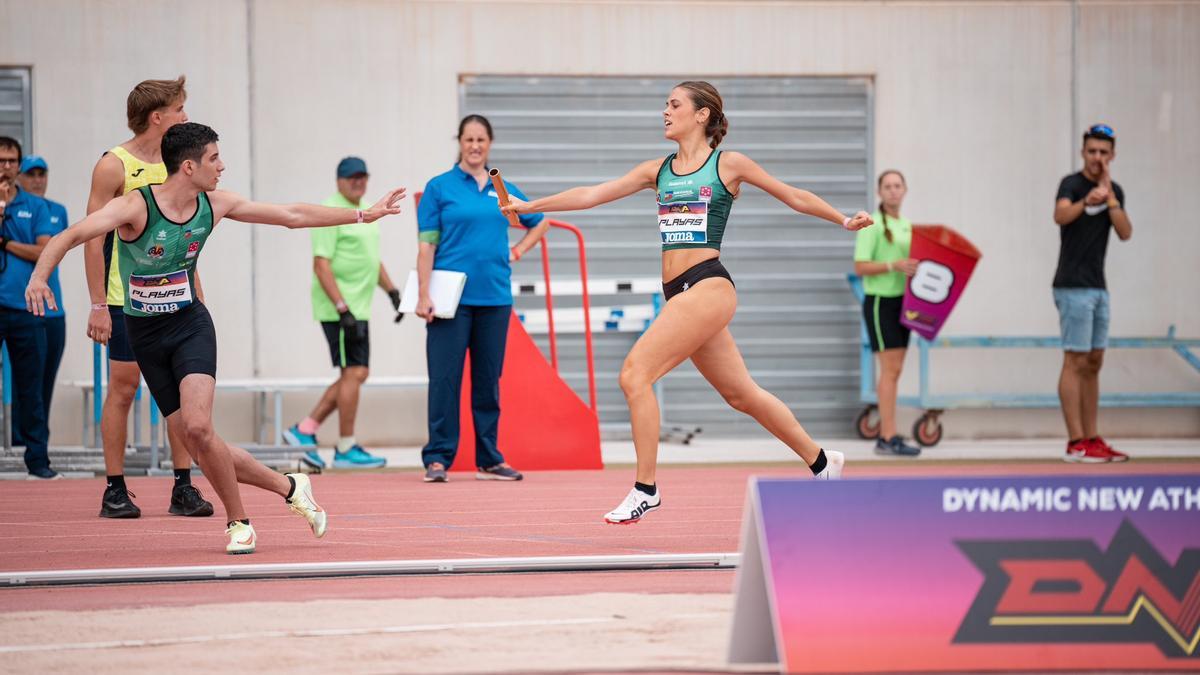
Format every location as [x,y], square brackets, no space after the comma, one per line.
[973,100]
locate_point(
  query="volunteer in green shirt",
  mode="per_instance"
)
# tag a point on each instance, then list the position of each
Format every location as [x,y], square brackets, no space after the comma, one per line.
[346,270]
[881,259]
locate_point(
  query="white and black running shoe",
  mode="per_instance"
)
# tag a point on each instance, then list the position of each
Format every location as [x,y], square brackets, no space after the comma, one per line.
[636,505]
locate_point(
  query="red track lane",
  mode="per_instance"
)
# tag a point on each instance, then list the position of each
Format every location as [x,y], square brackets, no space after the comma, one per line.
[384,516]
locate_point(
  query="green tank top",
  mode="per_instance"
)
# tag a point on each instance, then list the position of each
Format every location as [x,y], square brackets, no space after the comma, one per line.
[158,268]
[692,208]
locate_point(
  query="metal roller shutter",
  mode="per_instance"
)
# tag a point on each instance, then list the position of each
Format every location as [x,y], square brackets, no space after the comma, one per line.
[797,325]
[15,107]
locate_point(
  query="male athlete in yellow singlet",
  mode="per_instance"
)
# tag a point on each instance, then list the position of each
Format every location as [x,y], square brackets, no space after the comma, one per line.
[151,108]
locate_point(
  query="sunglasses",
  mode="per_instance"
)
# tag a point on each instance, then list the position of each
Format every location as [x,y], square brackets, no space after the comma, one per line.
[1103,130]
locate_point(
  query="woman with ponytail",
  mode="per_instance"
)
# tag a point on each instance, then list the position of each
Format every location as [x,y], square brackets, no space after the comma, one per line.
[881,259]
[696,186]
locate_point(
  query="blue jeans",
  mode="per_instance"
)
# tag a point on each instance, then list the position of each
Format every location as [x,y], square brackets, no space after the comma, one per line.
[484,332]
[1082,318]
[25,336]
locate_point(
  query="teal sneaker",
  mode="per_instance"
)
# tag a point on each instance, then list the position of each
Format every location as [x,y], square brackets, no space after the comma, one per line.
[357,458]
[293,436]
[313,459]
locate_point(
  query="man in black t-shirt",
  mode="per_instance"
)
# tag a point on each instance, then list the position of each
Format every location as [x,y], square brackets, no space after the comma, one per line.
[1088,205]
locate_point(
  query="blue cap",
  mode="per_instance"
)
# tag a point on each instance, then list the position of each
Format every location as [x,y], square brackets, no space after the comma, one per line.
[351,166]
[33,162]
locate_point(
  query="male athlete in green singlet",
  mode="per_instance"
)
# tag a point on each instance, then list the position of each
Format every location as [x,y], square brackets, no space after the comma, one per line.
[161,231]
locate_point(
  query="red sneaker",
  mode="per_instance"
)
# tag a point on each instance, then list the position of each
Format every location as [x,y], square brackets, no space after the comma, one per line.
[1116,455]
[1086,452]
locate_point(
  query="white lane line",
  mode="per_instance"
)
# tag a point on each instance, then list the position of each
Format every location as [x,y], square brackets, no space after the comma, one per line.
[320,632]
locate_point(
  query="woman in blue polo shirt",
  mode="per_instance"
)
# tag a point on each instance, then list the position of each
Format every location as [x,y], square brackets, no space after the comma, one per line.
[461,229]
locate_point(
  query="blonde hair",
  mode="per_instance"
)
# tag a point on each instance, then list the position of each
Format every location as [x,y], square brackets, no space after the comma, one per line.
[151,95]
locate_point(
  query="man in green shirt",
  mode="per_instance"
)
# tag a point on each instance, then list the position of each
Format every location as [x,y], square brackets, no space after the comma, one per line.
[346,270]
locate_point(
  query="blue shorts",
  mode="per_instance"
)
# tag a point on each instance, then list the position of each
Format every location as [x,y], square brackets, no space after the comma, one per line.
[1082,318]
[118,343]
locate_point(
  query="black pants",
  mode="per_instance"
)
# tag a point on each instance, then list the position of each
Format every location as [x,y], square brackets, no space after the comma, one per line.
[483,330]
[56,341]
[25,336]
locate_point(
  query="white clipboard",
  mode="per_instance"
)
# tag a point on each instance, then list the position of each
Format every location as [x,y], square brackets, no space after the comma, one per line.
[445,290]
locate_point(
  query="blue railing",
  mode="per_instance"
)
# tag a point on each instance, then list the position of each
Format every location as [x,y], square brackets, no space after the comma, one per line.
[928,400]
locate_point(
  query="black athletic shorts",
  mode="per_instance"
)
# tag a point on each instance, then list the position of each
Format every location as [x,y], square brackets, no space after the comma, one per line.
[118,342]
[171,347]
[348,347]
[693,275]
[883,323]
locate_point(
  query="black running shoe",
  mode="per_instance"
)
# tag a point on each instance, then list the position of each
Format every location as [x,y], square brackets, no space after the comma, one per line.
[117,504]
[186,500]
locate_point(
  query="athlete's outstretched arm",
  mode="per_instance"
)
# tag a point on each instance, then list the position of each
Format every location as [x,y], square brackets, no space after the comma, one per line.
[642,177]
[740,168]
[116,213]
[237,207]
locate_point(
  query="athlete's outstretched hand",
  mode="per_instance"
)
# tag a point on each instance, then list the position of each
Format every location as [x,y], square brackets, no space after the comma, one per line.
[38,296]
[858,221]
[386,206]
[515,207]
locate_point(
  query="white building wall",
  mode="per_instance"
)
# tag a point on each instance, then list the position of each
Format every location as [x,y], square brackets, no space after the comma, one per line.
[973,101]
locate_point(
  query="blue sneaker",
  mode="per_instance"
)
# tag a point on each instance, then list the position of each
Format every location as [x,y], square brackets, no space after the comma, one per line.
[357,458]
[293,436]
[896,446]
[313,459]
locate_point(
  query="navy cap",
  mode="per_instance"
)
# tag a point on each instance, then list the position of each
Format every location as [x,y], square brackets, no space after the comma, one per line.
[33,162]
[351,166]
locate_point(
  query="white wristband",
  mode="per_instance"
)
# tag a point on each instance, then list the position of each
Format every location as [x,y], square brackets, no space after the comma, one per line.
[359,214]
[846,222]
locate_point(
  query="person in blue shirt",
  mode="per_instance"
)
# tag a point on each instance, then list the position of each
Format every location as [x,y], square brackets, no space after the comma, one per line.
[26,229]
[34,179]
[461,229]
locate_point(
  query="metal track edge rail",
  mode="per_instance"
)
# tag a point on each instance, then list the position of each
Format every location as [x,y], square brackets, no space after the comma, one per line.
[317,570]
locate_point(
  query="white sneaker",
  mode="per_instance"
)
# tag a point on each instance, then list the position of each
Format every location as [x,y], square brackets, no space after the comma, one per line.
[241,538]
[833,467]
[302,502]
[636,505]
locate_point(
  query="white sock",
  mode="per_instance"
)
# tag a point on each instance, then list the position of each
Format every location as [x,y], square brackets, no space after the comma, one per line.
[345,443]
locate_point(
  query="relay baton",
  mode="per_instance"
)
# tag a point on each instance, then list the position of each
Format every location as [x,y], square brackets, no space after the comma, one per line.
[502,195]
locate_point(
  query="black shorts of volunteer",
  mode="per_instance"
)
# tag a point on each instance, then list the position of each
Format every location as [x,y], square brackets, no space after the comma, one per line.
[883,322]
[118,342]
[348,347]
[693,275]
[171,347]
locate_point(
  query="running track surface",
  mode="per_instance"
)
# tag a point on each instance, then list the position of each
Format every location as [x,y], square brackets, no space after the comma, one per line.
[393,515]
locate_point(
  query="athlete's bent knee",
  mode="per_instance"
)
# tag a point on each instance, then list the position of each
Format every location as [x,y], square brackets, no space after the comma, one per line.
[633,379]
[741,401]
[121,391]
[196,433]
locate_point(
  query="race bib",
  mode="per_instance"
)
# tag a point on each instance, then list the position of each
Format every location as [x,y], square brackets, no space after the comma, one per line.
[159,293]
[683,222]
